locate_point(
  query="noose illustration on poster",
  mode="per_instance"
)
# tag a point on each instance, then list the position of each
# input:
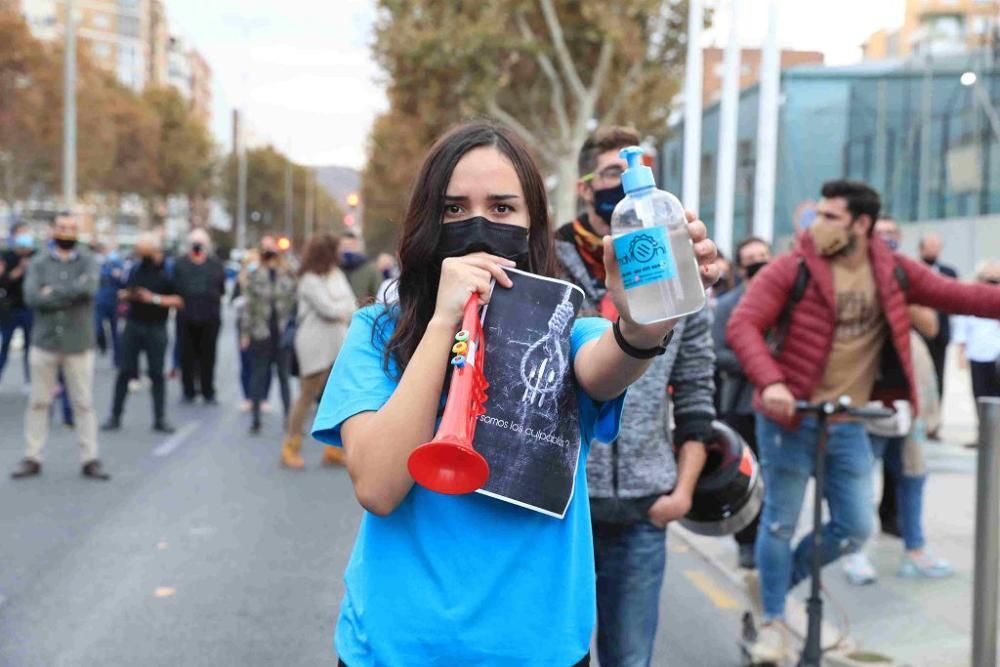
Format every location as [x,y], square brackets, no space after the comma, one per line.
[543,366]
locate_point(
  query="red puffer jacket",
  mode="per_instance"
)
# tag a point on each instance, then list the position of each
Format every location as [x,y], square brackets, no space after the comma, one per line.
[803,356]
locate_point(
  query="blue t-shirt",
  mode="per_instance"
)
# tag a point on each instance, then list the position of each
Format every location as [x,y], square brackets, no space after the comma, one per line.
[462,580]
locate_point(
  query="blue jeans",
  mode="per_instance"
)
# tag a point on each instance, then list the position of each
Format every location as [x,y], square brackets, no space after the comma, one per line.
[909,490]
[64,401]
[17,318]
[246,374]
[630,561]
[788,460]
[107,312]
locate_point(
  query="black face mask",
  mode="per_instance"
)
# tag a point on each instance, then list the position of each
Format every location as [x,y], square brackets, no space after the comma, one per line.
[147,261]
[605,201]
[481,235]
[753,269]
[268,255]
[929,261]
[197,248]
[66,244]
[992,281]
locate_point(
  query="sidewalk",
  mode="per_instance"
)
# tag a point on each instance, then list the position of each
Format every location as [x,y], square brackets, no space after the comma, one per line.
[915,622]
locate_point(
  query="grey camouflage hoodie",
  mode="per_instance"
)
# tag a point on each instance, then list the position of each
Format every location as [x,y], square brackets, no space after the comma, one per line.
[641,462]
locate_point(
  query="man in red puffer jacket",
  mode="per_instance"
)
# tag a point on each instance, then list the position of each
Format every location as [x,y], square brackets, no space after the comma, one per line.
[847,335]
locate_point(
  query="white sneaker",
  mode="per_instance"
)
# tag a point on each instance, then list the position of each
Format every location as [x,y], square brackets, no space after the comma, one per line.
[859,569]
[771,645]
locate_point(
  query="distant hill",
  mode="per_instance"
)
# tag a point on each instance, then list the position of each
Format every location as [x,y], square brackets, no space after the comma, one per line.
[339,182]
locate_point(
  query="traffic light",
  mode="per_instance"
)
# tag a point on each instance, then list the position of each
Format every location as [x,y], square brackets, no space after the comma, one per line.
[353,200]
[349,220]
[284,244]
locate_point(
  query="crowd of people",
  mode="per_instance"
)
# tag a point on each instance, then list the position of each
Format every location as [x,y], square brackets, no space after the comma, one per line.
[843,313]
[71,300]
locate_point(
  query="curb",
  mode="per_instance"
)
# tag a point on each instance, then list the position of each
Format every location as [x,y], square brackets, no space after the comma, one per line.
[839,657]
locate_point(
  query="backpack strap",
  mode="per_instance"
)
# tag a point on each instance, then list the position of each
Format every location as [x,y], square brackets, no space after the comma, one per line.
[799,287]
[901,277]
[780,332]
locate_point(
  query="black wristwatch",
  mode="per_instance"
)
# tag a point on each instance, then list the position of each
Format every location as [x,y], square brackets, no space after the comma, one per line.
[635,352]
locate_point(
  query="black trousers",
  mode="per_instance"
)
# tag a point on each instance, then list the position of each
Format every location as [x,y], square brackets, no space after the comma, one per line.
[198,341]
[746,426]
[938,352]
[265,355]
[150,339]
[985,378]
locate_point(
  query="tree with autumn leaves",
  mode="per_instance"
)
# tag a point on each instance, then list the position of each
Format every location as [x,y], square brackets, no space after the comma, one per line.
[149,145]
[266,170]
[550,69]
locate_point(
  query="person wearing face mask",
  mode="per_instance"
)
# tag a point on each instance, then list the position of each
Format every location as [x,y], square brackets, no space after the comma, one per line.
[248,264]
[898,443]
[14,312]
[362,273]
[930,250]
[640,483]
[201,282]
[151,293]
[849,327]
[270,301]
[467,579]
[60,285]
[735,393]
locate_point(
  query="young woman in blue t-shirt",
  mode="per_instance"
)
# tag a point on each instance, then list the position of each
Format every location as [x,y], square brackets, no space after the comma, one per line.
[468,580]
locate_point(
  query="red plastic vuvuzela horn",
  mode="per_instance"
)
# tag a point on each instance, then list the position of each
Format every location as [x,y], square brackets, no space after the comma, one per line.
[448,463]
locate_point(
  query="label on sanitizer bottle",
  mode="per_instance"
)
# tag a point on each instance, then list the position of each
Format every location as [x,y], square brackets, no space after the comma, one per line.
[645,257]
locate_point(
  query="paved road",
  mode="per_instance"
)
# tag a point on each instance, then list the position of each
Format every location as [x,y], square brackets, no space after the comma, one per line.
[203,551]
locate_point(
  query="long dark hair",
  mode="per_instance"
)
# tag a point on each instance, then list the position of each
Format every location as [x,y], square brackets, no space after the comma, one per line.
[320,255]
[419,271]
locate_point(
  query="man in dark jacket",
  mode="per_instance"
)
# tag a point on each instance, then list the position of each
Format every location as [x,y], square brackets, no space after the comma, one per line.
[735,391]
[151,294]
[14,312]
[853,312]
[200,280]
[930,250]
[60,285]
[637,484]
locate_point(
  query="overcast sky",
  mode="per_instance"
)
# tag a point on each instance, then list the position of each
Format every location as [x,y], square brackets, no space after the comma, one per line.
[303,71]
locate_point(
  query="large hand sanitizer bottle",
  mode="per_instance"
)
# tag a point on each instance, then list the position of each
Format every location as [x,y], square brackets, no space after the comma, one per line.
[654,249]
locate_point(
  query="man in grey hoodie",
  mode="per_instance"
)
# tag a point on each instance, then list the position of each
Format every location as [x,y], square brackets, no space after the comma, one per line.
[646,478]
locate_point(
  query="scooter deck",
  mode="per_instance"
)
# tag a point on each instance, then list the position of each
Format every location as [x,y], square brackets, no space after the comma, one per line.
[748,637]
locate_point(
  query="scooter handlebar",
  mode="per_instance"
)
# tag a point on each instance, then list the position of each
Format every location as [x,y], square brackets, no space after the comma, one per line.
[843,407]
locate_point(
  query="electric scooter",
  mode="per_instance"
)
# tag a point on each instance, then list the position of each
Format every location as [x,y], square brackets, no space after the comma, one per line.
[812,651]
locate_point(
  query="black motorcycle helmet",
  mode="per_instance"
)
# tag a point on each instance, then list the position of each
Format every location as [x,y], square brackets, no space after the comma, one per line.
[730,490]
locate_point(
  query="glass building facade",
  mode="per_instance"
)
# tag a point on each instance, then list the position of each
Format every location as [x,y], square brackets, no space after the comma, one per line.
[865,122]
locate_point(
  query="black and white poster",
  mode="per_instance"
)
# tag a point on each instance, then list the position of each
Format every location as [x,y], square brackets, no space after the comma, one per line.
[530,434]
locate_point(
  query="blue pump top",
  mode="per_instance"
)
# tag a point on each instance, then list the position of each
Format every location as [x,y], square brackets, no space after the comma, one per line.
[638,176]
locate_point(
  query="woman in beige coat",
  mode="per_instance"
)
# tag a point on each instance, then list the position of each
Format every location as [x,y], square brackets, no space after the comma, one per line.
[325,306]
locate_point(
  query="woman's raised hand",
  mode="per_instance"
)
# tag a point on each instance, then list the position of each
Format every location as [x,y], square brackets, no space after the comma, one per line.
[462,276]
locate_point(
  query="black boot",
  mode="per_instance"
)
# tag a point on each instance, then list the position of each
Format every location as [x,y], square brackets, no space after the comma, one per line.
[163,426]
[112,424]
[94,470]
[27,468]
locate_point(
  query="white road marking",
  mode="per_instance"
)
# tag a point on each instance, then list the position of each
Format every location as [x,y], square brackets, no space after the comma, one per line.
[168,446]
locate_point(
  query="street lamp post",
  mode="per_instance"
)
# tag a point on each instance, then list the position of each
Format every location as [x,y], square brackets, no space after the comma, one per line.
[69,110]
[969,79]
